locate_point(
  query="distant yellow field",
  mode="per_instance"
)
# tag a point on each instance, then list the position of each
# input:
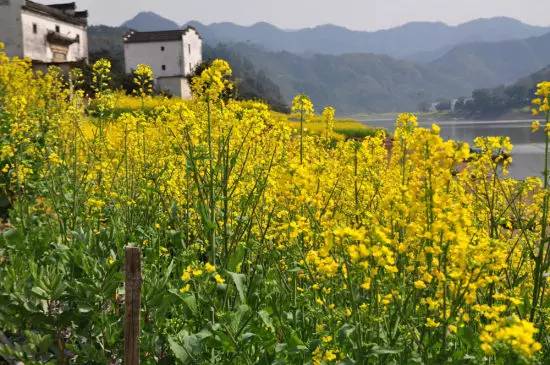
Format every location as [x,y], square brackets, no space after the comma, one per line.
[343,128]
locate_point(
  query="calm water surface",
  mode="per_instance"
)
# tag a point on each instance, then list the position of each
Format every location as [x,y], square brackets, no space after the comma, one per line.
[528,152]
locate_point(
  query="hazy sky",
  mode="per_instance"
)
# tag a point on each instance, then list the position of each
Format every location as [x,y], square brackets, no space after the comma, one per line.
[354,14]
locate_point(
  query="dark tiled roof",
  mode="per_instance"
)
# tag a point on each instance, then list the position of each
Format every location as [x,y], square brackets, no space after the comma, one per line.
[55,12]
[64,6]
[158,36]
[81,14]
[56,38]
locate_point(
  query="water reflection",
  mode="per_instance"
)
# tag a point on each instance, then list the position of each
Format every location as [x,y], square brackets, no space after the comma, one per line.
[528,153]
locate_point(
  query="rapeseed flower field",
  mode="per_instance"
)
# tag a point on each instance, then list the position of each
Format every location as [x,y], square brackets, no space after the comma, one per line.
[262,243]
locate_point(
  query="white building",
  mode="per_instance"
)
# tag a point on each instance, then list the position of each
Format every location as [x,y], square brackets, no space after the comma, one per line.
[173,55]
[47,34]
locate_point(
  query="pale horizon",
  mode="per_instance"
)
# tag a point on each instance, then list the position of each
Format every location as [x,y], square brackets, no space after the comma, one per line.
[366,15]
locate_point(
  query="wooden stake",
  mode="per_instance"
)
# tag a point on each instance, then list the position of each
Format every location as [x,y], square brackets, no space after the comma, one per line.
[132,287]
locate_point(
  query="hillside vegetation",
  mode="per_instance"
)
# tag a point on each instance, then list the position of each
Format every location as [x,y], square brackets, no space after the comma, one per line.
[503,100]
[354,83]
[484,65]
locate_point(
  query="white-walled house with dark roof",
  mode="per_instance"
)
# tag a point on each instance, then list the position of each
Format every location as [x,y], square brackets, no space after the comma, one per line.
[173,55]
[47,34]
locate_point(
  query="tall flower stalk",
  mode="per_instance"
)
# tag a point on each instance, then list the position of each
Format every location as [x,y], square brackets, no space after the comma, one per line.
[541,105]
[328,118]
[210,87]
[302,105]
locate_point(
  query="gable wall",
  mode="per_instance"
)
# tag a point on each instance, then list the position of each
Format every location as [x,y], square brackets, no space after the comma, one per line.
[36,47]
[150,53]
[10,27]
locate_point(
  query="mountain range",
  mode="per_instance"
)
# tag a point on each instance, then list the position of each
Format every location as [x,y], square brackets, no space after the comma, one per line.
[354,82]
[388,70]
[419,41]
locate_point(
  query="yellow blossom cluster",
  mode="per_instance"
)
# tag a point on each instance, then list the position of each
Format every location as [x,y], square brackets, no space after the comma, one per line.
[513,332]
[143,80]
[198,271]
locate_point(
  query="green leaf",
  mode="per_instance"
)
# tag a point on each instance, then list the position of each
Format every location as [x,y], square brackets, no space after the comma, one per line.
[239,280]
[189,301]
[179,351]
[204,333]
[295,342]
[247,335]
[347,361]
[13,236]
[280,347]
[267,320]
[345,331]
[384,351]
[168,272]
[236,258]
[237,317]
[296,269]
[40,292]
[84,309]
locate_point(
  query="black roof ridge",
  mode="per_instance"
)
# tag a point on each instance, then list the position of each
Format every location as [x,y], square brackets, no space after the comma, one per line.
[81,13]
[134,36]
[54,12]
[71,5]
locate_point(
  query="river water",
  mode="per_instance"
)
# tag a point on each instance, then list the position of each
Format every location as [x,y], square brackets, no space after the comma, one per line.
[528,152]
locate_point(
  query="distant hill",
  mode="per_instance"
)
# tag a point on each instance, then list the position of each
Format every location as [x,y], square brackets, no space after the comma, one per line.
[489,64]
[531,81]
[149,21]
[415,41]
[353,83]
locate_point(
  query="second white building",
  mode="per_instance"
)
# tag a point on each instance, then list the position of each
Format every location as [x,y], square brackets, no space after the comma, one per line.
[173,55]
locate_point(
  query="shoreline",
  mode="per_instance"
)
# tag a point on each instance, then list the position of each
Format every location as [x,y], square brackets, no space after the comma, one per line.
[444,117]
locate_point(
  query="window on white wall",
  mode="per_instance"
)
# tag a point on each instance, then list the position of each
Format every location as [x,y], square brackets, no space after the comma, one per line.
[189,47]
[57,29]
[34,28]
[163,67]
[162,48]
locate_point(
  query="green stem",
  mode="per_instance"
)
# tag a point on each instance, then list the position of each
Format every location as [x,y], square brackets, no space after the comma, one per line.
[539,267]
[302,135]
[212,228]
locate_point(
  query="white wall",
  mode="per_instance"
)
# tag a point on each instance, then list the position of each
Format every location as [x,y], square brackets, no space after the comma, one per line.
[35,45]
[176,86]
[10,26]
[193,43]
[150,53]
[179,57]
